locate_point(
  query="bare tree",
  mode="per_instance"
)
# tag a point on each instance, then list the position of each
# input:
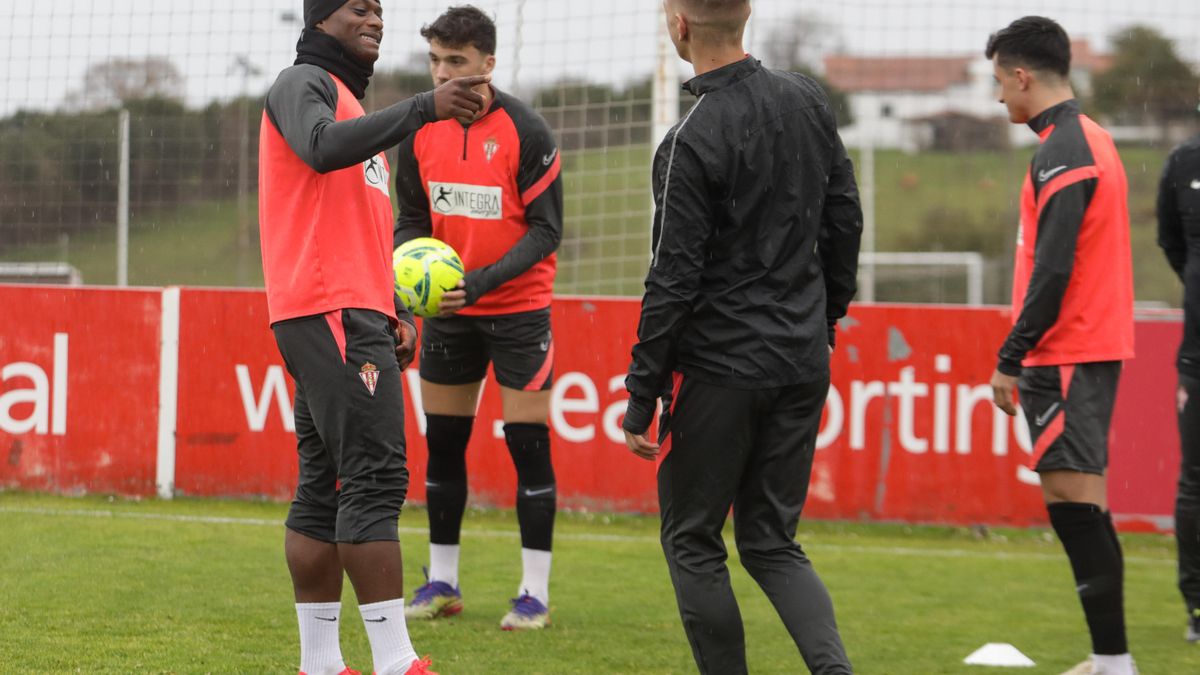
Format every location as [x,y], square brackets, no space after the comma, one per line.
[800,42]
[115,82]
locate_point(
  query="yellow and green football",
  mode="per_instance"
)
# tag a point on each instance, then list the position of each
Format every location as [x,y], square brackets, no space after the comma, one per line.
[425,268]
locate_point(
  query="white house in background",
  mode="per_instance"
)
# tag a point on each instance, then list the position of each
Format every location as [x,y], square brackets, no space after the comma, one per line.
[894,98]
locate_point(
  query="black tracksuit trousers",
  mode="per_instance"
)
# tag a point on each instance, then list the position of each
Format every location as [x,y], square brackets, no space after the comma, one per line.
[752,450]
[1187,500]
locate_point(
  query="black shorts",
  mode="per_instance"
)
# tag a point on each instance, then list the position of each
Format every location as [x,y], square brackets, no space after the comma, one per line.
[1069,410]
[457,349]
[349,426]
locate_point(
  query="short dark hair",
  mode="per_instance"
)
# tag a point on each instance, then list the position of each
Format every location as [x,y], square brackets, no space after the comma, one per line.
[1035,42]
[463,26]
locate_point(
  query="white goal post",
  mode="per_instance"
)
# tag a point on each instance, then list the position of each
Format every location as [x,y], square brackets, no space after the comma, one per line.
[971,262]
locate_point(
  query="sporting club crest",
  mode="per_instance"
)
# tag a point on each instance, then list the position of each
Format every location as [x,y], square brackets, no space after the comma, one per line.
[490,146]
[370,376]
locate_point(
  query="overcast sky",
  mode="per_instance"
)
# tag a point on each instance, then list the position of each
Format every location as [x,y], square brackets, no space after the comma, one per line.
[51,44]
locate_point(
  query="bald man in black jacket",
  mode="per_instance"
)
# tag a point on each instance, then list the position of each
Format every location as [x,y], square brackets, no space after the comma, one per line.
[756,238]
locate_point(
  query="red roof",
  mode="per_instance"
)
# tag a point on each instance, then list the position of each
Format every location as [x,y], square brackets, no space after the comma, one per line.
[902,73]
[1083,58]
[929,73]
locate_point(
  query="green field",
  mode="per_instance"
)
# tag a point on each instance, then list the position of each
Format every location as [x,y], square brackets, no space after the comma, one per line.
[925,202]
[97,585]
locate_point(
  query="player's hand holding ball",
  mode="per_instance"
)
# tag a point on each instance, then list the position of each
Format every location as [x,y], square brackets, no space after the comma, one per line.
[454,300]
[428,273]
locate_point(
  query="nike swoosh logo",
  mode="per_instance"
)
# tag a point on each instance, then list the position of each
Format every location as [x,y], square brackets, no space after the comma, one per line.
[1044,176]
[1041,420]
[542,491]
[379,620]
[549,158]
[322,618]
[1196,185]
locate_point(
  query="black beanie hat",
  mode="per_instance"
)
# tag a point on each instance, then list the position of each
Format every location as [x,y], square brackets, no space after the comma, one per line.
[316,11]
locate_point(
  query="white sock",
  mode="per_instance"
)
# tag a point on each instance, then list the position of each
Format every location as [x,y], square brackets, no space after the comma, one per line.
[388,634]
[1113,664]
[443,563]
[320,651]
[535,576]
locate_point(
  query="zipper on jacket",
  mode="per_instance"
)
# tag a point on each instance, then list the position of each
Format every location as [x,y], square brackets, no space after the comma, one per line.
[466,132]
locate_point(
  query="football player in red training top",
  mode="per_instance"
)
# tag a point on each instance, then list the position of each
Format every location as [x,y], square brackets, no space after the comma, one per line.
[326,224]
[491,189]
[1072,316]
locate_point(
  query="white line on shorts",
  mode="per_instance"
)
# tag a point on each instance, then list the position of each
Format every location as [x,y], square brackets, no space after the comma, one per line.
[570,536]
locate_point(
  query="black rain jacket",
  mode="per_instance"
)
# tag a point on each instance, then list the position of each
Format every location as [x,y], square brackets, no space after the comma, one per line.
[755,239]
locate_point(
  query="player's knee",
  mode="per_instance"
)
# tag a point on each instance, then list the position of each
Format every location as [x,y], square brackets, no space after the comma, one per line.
[447,437]
[1100,586]
[369,507]
[529,445]
[765,553]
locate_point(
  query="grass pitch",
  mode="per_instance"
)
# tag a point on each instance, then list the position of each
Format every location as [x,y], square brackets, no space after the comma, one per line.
[96,585]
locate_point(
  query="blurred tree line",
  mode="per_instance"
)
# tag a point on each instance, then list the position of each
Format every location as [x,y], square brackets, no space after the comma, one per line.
[58,169]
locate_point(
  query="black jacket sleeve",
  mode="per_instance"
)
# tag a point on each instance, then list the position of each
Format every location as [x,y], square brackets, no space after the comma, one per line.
[412,218]
[1170,222]
[302,105]
[839,239]
[683,224]
[539,182]
[1053,259]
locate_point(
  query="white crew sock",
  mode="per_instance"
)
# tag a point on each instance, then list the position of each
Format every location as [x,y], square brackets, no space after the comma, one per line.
[1112,664]
[535,576]
[443,563]
[388,634]
[320,651]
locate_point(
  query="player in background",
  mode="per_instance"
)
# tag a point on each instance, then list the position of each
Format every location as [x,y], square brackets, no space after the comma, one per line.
[1179,237]
[1072,316]
[492,189]
[325,222]
[755,249]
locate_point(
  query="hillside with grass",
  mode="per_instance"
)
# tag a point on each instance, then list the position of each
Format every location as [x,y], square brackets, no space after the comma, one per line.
[925,202]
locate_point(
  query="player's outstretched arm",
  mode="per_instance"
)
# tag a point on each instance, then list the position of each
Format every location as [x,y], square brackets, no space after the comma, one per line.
[302,105]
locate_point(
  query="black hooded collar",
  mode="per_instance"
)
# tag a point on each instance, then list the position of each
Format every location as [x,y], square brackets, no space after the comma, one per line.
[325,51]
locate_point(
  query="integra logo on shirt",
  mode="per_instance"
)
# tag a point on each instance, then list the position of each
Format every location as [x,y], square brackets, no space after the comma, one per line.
[375,173]
[472,201]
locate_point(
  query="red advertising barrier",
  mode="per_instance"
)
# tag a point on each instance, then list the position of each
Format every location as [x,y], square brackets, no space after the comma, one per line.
[79,389]
[909,432]
[234,434]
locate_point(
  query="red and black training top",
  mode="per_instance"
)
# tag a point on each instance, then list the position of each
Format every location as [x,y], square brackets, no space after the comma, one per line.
[493,191]
[324,212]
[1073,279]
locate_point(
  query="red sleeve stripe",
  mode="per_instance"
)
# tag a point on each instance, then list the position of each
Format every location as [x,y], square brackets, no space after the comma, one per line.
[542,185]
[1064,180]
